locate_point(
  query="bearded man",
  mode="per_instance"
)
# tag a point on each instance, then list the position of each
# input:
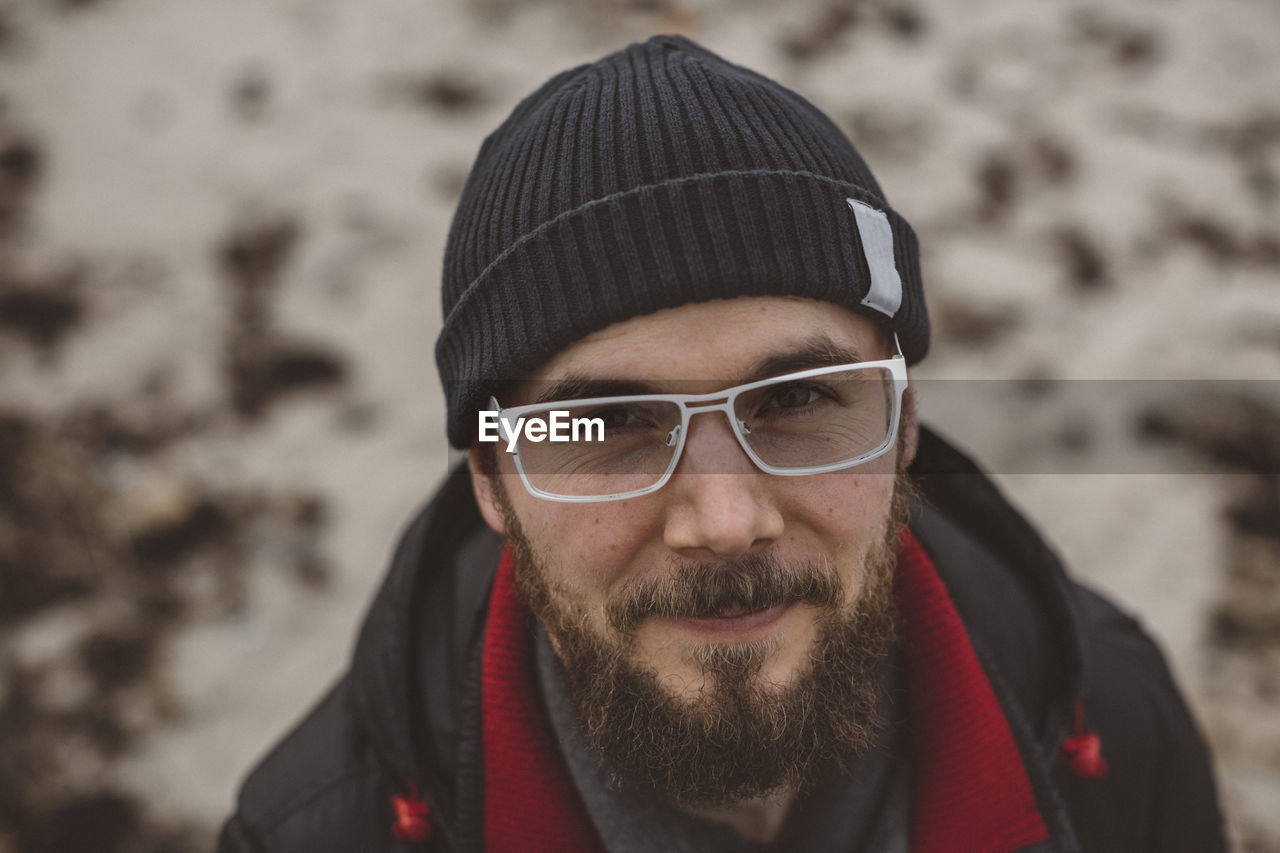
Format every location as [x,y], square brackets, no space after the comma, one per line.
[752,604]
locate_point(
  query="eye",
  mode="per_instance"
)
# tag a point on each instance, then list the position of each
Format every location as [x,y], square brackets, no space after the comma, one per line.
[614,417]
[793,396]
[625,416]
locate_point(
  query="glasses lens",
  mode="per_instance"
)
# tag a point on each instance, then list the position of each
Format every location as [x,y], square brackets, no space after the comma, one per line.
[600,449]
[820,420]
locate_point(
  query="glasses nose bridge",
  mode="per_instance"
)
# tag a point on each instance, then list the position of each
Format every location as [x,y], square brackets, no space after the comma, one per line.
[717,403]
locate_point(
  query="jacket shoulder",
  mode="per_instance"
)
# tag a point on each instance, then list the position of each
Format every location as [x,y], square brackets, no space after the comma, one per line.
[1159,785]
[319,789]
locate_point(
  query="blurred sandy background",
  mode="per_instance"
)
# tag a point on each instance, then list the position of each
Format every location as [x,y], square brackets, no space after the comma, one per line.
[221,224]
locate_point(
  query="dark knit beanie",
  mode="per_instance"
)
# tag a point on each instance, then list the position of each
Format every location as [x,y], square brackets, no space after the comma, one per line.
[657,176]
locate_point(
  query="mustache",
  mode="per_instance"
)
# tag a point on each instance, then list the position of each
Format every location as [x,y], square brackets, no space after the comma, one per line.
[708,589]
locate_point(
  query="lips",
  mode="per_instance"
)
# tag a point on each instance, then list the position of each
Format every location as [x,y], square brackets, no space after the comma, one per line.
[735,624]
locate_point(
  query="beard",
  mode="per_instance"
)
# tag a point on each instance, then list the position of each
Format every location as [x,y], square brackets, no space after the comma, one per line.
[741,735]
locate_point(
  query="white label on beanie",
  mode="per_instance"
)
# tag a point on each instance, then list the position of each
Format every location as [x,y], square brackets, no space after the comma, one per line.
[885,293]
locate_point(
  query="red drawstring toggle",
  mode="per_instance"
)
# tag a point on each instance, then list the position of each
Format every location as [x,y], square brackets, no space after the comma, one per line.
[413,817]
[1082,751]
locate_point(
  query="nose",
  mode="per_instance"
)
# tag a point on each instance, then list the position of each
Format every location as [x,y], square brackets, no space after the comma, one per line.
[720,503]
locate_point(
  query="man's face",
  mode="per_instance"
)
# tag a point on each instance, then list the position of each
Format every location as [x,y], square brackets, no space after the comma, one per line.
[711,598]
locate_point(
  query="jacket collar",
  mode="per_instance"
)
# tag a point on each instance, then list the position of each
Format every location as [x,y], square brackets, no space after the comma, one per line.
[413,666]
[1009,586]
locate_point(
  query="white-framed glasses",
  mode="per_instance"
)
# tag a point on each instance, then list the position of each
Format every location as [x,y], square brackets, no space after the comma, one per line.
[808,422]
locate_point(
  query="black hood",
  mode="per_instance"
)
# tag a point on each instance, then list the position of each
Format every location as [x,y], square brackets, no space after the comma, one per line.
[414,676]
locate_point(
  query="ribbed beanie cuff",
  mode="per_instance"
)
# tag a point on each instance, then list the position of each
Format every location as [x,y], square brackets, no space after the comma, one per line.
[658,176]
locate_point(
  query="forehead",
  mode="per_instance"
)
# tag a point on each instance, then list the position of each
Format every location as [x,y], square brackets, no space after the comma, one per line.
[717,341]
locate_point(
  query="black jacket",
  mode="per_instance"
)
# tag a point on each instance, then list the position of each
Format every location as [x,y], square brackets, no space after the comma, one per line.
[407,713]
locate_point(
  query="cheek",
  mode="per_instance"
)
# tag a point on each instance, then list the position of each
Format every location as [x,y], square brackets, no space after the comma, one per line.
[848,513]
[857,500]
[589,549]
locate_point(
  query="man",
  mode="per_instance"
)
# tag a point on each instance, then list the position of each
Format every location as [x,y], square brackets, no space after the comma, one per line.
[751,604]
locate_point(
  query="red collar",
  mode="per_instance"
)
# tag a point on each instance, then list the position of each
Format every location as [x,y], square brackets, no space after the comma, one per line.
[971,788]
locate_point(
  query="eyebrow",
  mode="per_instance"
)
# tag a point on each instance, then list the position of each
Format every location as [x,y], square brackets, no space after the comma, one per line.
[815,351]
[578,386]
